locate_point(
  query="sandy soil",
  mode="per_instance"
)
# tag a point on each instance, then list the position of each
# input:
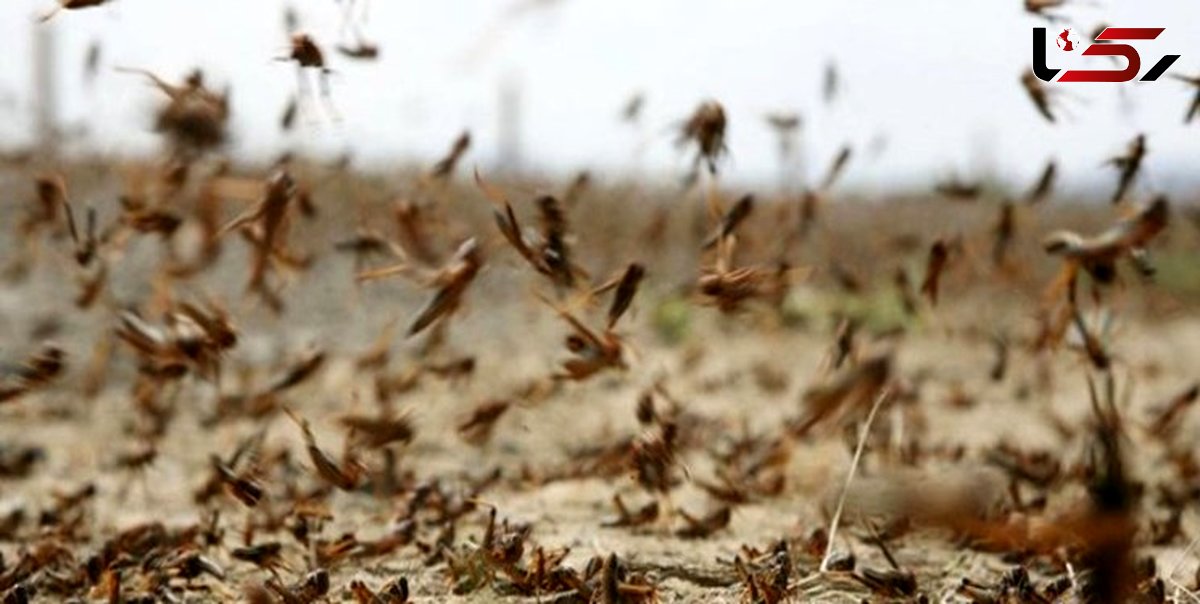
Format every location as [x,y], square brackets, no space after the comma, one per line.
[736,376]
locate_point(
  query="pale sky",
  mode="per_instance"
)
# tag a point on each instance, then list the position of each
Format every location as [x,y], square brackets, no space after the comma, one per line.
[935,80]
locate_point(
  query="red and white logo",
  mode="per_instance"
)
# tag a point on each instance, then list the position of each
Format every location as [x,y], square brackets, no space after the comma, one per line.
[1067,40]
[1106,45]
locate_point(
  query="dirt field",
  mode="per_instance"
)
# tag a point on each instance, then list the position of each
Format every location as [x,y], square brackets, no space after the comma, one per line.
[731,386]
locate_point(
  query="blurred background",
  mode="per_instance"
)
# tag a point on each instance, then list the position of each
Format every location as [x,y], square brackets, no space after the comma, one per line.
[922,90]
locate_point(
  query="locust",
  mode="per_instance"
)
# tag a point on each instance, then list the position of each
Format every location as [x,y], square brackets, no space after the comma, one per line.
[591,351]
[1042,8]
[450,282]
[1097,256]
[194,118]
[549,256]
[729,288]
[850,390]
[703,527]
[444,168]
[194,338]
[1004,231]
[378,432]
[308,56]
[705,129]
[1194,107]
[956,189]
[269,218]
[1039,94]
[361,50]
[344,475]
[85,241]
[836,168]
[939,255]
[631,111]
[477,427]
[71,5]
[1128,166]
[36,372]
[1044,186]
[785,125]
[641,516]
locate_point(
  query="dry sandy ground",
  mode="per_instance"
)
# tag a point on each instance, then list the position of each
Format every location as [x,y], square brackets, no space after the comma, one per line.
[82,438]
[741,375]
